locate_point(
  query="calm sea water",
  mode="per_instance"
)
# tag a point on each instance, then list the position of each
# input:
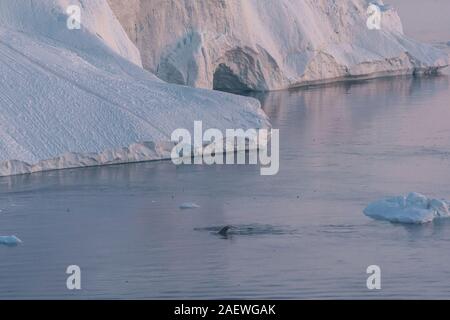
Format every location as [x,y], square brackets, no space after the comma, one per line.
[299,234]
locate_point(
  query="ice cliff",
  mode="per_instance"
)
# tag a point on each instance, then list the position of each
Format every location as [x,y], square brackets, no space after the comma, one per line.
[270,44]
[72,98]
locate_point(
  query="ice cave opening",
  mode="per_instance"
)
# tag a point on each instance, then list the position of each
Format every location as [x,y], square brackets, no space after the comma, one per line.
[225,79]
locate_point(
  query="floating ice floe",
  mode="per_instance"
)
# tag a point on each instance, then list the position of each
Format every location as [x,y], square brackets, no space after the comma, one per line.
[414,208]
[189,205]
[10,240]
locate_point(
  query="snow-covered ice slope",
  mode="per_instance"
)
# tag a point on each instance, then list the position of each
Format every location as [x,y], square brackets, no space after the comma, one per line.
[71,98]
[48,19]
[267,44]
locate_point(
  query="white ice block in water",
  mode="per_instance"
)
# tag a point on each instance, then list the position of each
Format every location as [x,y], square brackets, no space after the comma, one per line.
[189,205]
[10,240]
[414,208]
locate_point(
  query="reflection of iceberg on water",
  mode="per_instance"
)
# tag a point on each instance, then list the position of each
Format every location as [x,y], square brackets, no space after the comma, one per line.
[414,208]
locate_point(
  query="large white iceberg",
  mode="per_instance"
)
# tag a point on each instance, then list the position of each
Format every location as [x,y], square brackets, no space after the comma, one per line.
[413,208]
[72,98]
[270,44]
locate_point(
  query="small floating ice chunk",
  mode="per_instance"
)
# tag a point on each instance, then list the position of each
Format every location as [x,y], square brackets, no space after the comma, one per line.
[10,240]
[414,208]
[189,205]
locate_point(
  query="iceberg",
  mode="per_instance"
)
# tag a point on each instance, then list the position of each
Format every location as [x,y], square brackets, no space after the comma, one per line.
[189,205]
[270,45]
[414,208]
[10,240]
[75,98]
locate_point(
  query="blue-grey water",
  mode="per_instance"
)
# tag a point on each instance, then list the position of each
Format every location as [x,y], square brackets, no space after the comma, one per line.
[299,234]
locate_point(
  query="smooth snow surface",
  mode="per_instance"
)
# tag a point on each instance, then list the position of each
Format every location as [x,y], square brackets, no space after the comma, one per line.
[48,19]
[267,44]
[72,98]
[414,208]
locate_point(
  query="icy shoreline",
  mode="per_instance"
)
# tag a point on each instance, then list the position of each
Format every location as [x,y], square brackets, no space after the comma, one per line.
[137,152]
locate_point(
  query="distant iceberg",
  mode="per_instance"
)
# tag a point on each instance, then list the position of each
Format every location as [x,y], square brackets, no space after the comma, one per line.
[413,208]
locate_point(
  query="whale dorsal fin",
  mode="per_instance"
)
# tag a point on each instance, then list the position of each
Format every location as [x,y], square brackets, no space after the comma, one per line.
[224,231]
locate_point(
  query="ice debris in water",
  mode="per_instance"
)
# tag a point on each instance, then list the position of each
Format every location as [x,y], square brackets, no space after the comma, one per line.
[189,205]
[10,240]
[413,208]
